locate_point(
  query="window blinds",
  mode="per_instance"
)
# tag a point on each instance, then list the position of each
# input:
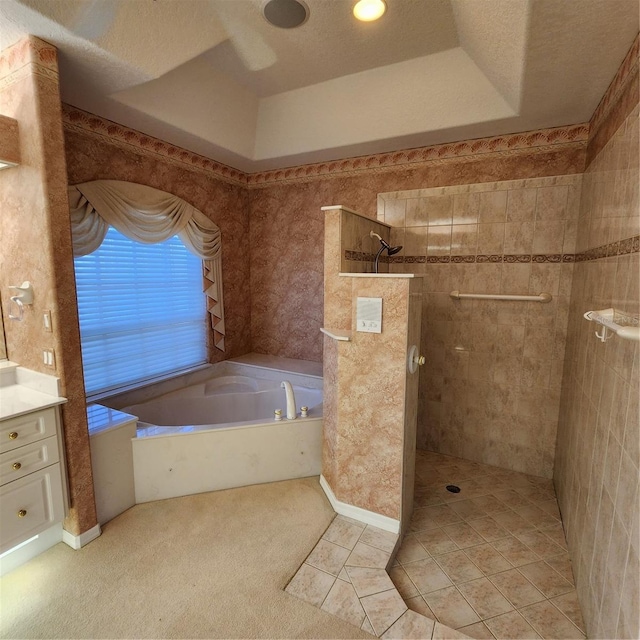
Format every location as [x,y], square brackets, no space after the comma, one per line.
[142,311]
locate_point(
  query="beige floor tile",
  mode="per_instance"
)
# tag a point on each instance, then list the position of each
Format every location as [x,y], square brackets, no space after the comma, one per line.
[570,606]
[403,583]
[343,533]
[442,632]
[311,585]
[451,608]
[531,512]
[540,544]
[366,626]
[343,575]
[422,520]
[427,576]
[365,556]
[487,559]
[343,602]
[551,507]
[556,533]
[516,552]
[411,550]
[458,567]
[511,498]
[485,598]
[463,534]
[443,514]
[468,509]
[479,630]
[550,623]
[489,529]
[511,626]
[410,626]
[490,504]
[516,588]
[436,541]
[374,537]
[562,564]
[544,578]
[328,557]
[419,605]
[367,581]
[383,609]
[512,522]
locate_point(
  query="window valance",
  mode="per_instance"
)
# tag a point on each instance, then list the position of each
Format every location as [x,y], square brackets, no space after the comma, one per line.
[149,215]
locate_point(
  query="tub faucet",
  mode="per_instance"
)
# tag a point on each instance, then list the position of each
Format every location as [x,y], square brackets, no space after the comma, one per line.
[291,400]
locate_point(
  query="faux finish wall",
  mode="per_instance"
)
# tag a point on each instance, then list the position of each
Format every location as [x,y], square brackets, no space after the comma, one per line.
[598,452]
[36,246]
[490,389]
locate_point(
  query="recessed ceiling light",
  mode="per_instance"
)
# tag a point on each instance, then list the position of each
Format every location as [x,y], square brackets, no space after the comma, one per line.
[369,10]
[285,14]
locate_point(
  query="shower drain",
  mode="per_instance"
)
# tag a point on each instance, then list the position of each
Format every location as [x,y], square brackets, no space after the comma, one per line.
[453,489]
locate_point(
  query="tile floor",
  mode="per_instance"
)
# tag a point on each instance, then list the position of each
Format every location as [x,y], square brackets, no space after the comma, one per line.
[346,575]
[490,561]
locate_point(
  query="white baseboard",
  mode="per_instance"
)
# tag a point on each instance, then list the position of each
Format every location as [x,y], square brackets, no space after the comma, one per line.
[12,559]
[357,513]
[77,542]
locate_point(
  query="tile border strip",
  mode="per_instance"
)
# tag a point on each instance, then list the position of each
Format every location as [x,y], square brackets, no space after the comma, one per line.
[618,248]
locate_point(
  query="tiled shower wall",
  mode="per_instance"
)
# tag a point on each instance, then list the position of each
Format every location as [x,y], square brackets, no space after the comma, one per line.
[490,389]
[599,431]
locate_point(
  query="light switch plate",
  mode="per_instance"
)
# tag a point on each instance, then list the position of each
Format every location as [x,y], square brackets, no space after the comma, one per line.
[369,315]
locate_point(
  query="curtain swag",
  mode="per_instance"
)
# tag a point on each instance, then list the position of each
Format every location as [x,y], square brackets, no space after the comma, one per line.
[149,216]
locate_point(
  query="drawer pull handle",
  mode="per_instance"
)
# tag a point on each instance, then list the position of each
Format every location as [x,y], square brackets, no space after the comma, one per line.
[22,513]
[13,435]
[16,466]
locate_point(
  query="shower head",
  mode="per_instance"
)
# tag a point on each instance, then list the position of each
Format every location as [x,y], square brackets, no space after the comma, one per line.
[385,245]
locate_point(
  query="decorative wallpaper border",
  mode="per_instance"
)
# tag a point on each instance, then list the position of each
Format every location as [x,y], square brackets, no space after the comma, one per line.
[618,248]
[29,55]
[74,119]
[625,73]
[541,140]
[517,143]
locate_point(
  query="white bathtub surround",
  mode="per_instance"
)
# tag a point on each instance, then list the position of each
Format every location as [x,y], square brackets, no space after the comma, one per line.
[110,434]
[214,459]
[215,429]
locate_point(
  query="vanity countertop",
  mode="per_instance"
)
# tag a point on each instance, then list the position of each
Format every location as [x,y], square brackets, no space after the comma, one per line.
[16,400]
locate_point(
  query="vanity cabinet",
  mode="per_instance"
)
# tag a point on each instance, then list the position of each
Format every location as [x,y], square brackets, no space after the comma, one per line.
[32,487]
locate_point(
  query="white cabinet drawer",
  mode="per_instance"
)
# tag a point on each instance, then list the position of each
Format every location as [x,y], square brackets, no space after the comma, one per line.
[32,457]
[16,432]
[30,505]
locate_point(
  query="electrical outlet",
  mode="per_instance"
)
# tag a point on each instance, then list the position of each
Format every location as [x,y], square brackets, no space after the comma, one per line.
[46,321]
[49,357]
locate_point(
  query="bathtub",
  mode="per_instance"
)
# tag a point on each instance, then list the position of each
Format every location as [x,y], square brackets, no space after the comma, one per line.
[215,429]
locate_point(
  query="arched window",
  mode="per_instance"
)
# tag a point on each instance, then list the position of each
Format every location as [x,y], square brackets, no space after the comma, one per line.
[139,263]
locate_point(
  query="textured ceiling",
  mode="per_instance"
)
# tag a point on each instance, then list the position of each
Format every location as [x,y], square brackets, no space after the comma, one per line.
[214,77]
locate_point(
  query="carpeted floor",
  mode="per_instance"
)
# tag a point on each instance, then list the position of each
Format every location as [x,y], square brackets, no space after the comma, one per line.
[212,565]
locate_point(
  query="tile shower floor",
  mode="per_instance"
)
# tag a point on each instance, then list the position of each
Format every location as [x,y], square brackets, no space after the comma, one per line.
[490,561]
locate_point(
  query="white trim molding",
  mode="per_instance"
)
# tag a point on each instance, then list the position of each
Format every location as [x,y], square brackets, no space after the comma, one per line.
[77,542]
[358,513]
[21,553]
